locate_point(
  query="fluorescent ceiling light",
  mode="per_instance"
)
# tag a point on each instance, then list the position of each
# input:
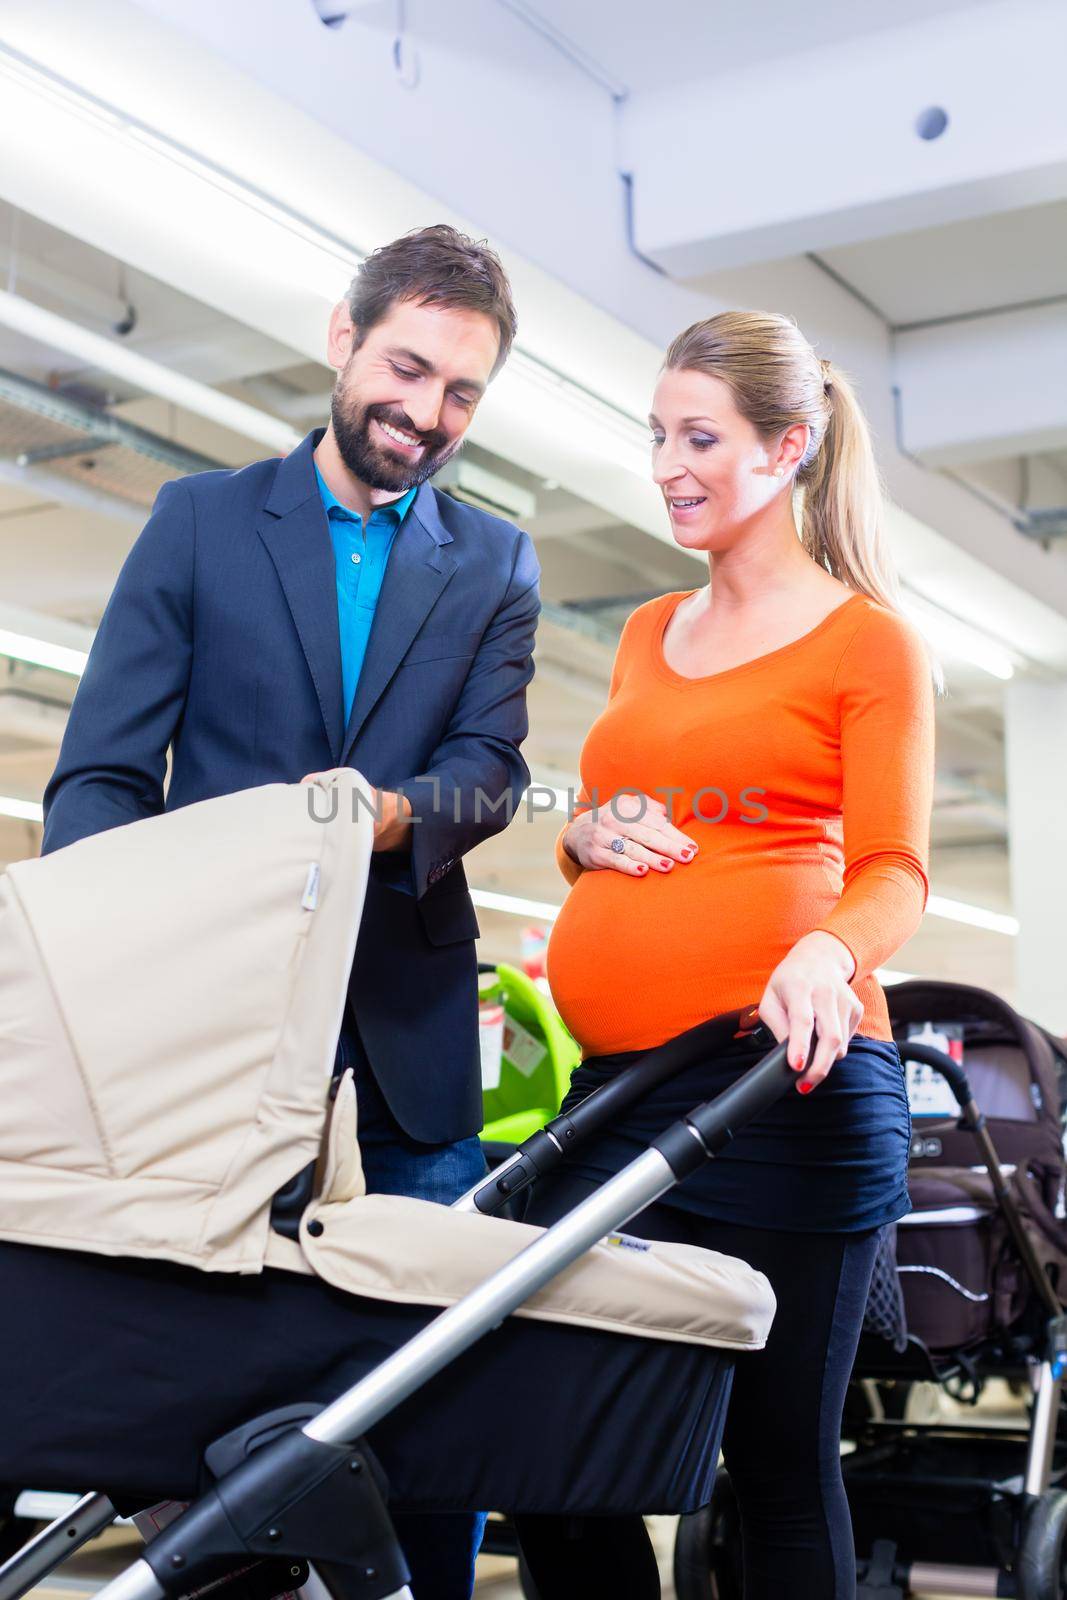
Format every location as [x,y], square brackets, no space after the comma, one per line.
[490,489]
[93,350]
[44,1505]
[563,799]
[595,425]
[340,259]
[268,245]
[938,906]
[21,810]
[61,94]
[42,653]
[296,245]
[296,248]
[489,900]
[947,635]
[41,484]
[973,916]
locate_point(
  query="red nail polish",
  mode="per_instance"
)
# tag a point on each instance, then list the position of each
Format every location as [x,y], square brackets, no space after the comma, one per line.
[642,867]
[806,1088]
[666,864]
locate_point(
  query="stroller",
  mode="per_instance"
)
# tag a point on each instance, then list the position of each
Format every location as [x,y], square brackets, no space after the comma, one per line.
[202,1302]
[970,1285]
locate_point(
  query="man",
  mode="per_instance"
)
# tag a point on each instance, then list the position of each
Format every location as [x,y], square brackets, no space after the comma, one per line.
[333,609]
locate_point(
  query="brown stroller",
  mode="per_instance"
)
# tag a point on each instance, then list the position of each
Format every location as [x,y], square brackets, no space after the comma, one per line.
[970,1285]
[980,1270]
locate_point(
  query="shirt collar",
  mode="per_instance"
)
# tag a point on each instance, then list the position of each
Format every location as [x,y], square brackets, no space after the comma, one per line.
[396,508]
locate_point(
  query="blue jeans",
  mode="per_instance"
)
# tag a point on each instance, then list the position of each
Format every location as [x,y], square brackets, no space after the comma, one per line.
[440,1548]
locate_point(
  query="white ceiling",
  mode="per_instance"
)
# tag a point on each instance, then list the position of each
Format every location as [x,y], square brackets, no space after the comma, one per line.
[651,47]
[965,268]
[63,561]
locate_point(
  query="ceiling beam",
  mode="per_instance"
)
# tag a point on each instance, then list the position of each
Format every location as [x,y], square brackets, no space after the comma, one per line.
[56,489]
[844,146]
[984,386]
[21,626]
[96,353]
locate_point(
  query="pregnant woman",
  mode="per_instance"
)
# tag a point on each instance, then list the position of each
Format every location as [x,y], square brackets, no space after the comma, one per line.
[753,829]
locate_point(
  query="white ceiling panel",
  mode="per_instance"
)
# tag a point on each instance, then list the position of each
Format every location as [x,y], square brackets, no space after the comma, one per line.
[967,267]
[651,47]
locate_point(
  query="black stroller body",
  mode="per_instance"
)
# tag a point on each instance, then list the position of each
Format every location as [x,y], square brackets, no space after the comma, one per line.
[969,1286]
[981,1269]
[964,1286]
[189,1340]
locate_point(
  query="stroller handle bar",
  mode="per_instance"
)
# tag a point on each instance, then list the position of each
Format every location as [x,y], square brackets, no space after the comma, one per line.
[951,1071]
[544,1150]
[683,1148]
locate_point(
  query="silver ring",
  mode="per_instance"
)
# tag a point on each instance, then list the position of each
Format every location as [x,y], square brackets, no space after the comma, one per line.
[618,844]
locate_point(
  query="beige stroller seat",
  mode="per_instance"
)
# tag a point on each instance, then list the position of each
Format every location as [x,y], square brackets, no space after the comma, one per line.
[170,998]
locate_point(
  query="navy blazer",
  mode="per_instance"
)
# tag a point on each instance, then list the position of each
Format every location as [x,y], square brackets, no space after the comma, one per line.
[221,643]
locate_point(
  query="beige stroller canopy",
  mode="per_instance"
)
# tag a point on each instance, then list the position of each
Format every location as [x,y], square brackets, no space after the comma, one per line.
[170,998]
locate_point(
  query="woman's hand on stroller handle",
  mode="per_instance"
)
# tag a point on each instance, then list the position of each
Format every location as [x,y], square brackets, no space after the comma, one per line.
[808,1001]
[631,834]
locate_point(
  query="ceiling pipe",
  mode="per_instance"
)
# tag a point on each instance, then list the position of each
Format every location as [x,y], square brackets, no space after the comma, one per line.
[1050,522]
[99,425]
[41,640]
[292,404]
[94,351]
[53,486]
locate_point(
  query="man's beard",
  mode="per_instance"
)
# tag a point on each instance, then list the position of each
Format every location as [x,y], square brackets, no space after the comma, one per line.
[377,466]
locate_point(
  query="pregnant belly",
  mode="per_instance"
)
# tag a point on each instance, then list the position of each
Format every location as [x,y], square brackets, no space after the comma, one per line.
[634,961]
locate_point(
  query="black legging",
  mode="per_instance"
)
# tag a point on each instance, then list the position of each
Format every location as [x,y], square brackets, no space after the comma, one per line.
[782,1439]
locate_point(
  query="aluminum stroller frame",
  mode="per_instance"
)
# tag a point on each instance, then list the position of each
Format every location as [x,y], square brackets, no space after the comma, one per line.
[303,1488]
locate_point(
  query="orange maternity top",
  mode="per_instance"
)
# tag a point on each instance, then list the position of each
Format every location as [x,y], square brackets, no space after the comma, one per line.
[805,777]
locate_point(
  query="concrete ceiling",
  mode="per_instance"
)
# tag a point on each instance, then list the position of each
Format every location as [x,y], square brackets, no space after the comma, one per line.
[599,534]
[653,47]
[962,268]
[62,561]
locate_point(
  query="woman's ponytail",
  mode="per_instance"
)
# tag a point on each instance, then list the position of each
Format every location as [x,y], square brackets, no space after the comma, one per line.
[842,524]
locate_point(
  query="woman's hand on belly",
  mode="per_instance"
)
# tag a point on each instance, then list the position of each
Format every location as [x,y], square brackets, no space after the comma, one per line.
[649,839]
[809,989]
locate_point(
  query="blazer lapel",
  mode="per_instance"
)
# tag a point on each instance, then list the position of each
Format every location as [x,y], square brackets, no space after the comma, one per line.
[294,528]
[419,567]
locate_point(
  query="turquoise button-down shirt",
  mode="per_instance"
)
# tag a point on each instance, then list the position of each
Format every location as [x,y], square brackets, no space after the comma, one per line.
[360,556]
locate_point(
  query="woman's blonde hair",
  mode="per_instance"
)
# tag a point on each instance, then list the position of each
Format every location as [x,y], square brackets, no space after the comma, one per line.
[777,380]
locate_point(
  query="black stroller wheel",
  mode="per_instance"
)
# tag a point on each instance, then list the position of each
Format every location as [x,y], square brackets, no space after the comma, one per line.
[1041,1574]
[707,1548]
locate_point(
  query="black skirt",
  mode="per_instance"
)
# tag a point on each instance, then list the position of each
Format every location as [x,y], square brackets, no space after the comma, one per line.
[832,1161]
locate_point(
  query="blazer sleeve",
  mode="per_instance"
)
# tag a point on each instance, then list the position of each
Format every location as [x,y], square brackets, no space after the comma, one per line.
[884,689]
[475,779]
[129,703]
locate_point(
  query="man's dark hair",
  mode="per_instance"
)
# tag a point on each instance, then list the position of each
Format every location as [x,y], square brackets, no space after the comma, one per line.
[437,266]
